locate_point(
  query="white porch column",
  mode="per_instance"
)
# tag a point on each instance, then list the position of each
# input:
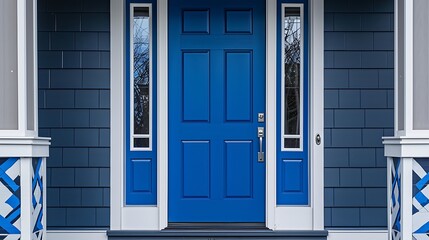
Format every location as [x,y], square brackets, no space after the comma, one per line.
[22,152]
[408,150]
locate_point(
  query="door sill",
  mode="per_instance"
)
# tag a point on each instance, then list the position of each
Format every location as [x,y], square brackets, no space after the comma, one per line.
[216,226]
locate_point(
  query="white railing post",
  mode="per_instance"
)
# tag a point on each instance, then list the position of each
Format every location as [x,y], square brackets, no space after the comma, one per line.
[408,151]
[22,153]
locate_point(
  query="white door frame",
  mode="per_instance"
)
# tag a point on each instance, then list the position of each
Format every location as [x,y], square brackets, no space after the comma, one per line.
[156,217]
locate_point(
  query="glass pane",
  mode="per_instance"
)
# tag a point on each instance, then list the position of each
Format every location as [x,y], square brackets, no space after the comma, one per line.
[141,142]
[292,143]
[292,70]
[141,71]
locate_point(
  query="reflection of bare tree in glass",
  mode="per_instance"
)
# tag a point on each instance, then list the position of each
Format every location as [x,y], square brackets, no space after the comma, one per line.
[141,75]
[292,71]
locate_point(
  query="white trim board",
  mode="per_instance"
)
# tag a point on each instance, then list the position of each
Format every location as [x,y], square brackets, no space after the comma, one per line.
[357,234]
[76,235]
[333,235]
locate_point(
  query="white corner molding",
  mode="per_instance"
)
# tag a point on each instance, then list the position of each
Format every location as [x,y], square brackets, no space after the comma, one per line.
[271,103]
[357,234]
[117,112]
[162,68]
[317,112]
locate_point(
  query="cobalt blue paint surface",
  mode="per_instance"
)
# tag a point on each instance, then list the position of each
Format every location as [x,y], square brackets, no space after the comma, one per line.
[292,167]
[141,174]
[216,90]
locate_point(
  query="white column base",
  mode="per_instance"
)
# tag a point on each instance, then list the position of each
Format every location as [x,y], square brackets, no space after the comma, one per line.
[22,188]
[408,191]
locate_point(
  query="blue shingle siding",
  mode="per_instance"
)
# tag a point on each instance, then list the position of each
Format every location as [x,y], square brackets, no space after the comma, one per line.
[74,109]
[358,110]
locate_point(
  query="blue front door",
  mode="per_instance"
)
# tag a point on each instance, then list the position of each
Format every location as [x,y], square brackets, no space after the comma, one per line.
[216,90]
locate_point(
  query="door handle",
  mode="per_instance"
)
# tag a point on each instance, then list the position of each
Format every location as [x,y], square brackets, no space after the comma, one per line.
[261,133]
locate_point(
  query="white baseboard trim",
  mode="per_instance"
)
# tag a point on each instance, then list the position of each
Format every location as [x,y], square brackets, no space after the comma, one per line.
[333,235]
[357,234]
[76,235]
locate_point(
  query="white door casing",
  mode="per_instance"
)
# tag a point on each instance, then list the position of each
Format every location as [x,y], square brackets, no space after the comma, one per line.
[156,217]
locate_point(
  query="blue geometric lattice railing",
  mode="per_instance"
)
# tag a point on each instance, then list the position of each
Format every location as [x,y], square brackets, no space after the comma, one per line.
[37,199]
[10,196]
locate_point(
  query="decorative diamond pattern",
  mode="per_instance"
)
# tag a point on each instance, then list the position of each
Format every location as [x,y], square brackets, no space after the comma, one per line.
[10,197]
[396,199]
[421,199]
[11,237]
[37,199]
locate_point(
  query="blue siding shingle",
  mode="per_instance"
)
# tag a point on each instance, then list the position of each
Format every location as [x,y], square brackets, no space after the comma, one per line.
[75,118]
[59,99]
[75,157]
[62,41]
[68,22]
[346,137]
[345,217]
[374,99]
[81,217]
[98,22]
[92,197]
[336,78]
[71,59]
[350,177]
[359,41]
[349,98]
[103,215]
[349,197]
[55,157]
[99,157]
[336,157]
[87,137]
[57,217]
[87,177]
[50,59]
[376,197]
[66,78]
[100,118]
[332,177]
[87,99]
[53,197]
[96,6]
[362,157]
[374,217]
[86,41]
[62,177]
[346,118]
[359,63]
[74,109]
[70,197]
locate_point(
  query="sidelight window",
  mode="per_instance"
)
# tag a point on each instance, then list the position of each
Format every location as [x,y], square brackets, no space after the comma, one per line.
[292,76]
[141,77]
